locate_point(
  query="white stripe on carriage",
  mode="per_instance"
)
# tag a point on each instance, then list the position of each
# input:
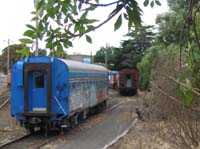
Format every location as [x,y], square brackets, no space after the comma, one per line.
[56,99]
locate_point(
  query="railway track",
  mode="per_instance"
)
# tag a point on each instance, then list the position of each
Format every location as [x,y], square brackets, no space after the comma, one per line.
[35,141]
[13,141]
[31,141]
[4,99]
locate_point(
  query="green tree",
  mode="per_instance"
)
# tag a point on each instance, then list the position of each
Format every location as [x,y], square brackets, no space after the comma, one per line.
[170,24]
[140,39]
[12,54]
[181,27]
[105,54]
[131,50]
[170,27]
[59,22]
[180,5]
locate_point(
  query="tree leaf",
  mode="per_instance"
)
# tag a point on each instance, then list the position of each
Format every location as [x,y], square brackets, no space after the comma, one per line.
[80,6]
[91,8]
[28,33]
[31,27]
[19,51]
[90,27]
[152,4]
[84,15]
[77,27]
[40,26]
[130,24]
[39,4]
[25,52]
[67,44]
[158,2]
[26,41]
[59,50]
[88,39]
[87,21]
[118,23]
[35,19]
[146,2]
[117,9]
[49,45]
[188,97]
[134,16]
[81,29]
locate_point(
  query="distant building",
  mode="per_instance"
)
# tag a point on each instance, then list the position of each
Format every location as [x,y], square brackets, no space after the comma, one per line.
[81,58]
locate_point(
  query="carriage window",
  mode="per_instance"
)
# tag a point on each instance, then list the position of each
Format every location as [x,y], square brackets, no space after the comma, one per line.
[39,81]
[128,81]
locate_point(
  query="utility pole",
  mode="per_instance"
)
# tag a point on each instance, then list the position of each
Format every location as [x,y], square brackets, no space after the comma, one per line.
[106,56]
[8,56]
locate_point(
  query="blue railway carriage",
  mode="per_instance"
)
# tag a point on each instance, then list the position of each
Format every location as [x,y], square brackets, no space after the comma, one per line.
[48,92]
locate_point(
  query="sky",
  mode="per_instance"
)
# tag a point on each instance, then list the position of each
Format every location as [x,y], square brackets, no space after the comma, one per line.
[14,14]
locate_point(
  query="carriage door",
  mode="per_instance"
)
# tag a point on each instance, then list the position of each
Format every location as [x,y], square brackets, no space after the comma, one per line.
[37,88]
[39,91]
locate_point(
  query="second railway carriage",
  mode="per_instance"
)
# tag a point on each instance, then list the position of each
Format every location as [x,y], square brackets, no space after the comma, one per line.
[48,91]
[128,81]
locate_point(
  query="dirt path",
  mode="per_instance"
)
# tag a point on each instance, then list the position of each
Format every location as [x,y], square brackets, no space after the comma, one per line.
[101,129]
[144,135]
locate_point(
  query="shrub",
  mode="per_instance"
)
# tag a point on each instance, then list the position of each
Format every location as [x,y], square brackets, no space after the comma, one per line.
[146,65]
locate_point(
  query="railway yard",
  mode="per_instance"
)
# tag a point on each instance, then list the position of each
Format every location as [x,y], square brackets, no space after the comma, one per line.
[101,130]
[95,132]
[69,81]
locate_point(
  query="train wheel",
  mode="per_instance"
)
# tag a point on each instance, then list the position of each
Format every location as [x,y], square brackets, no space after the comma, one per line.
[73,121]
[135,92]
[42,129]
[104,104]
[92,111]
[46,127]
[31,129]
[100,108]
[84,114]
[96,109]
[76,119]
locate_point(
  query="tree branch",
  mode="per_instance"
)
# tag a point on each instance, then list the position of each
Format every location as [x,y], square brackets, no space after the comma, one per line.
[183,85]
[98,26]
[173,98]
[100,5]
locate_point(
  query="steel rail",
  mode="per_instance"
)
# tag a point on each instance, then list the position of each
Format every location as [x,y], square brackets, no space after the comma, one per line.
[14,141]
[4,103]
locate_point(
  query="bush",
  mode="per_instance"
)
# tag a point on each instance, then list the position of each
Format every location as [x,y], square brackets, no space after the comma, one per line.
[146,65]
